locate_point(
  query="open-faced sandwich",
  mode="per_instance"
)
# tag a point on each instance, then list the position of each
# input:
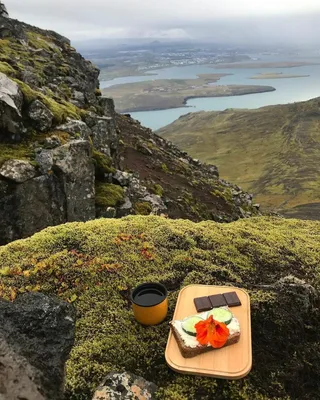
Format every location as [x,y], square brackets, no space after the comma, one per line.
[206,331]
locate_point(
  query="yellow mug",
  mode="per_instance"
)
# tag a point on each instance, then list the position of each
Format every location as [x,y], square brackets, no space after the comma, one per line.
[150,303]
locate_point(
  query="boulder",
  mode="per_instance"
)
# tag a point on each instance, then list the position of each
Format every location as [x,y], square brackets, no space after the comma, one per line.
[122,178]
[125,386]
[156,202]
[104,135]
[18,170]
[76,128]
[108,106]
[40,115]
[10,109]
[36,336]
[73,165]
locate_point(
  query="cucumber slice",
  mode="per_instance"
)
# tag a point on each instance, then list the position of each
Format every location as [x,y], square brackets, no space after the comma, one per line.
[189,323]
[221,315]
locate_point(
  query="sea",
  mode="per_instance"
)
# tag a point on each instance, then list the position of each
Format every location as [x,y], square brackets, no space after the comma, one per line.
[288,90]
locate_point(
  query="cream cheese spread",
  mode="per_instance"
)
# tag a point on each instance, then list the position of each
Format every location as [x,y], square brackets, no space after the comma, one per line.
[191,341]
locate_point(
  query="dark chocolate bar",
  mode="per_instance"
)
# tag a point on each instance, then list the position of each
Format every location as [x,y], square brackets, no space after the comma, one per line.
[232,299]
[202,303]
[217,300]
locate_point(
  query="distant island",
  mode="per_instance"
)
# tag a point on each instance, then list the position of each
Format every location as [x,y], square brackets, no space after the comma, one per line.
[173,93]
[263,64]
[277,75]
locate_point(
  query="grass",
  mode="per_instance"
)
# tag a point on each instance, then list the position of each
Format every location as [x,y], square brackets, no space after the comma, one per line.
[272,152]
[96,265]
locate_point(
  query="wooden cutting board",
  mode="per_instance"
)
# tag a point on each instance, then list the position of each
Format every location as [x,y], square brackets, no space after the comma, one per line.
[231,362]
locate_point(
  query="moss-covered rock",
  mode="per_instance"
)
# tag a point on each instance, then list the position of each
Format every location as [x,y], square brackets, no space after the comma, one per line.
[102,163]
[143,208]
[108,195]
[96,264]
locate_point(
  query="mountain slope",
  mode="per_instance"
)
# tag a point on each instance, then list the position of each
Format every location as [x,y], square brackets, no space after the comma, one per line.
[66,155]
[274,152]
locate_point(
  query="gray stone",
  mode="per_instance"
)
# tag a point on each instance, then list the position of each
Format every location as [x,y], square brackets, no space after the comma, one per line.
[122,178]
[72,163]
[125,386]
[52,142]
[156,202]
[110,212]
[3,11]
[79,97]
[17,376]
[76,128]
[36,336]
[10,109]
[213,170]
[44,158]
[127,205]
[38,203]
[257,206]
[41,115]
[108,106]
[29,77]
[104,135]
[144,149]
[17,170]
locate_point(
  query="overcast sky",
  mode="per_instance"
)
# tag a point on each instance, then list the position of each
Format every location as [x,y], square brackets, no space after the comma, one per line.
[242,20]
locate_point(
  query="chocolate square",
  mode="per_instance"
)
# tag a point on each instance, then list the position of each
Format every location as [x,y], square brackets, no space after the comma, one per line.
[232,299]
[217,300]
[202,303]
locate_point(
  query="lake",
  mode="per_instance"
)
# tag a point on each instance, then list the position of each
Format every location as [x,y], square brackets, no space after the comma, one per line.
[287,90]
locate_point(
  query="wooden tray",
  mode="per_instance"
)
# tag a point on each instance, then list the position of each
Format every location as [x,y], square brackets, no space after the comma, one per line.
[231,362]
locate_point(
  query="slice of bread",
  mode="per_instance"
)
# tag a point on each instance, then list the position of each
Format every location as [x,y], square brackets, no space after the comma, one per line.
[190,347]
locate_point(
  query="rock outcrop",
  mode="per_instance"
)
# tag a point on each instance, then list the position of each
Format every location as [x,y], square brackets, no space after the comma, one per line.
[66,155]
[125,386]
[36,336]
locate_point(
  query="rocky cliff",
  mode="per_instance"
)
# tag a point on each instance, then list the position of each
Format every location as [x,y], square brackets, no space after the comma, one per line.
[65,155]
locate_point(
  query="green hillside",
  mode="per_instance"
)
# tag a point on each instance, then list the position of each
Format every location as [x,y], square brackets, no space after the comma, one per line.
[96,264]
[273,152]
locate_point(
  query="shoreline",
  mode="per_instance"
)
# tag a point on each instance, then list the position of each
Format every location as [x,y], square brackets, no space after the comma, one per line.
[186,99]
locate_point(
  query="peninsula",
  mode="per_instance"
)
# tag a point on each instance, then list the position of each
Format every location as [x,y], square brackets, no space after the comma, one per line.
[173,93]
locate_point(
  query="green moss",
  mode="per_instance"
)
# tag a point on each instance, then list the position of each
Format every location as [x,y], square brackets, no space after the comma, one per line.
[20,151]
[65,90]
[103,164]
[223,193]
[164,168]
[143,208]
[38,41]
[61,111]
[6,68]
[157,189]
[108,195]
[98,92]
[102,260]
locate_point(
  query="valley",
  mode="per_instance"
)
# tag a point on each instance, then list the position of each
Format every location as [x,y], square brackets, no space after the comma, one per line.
[273,152]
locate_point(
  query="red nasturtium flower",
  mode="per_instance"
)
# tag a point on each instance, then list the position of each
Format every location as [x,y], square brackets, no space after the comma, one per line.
[211,331]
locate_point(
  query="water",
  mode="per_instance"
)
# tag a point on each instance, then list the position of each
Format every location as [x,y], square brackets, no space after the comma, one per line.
[287,90]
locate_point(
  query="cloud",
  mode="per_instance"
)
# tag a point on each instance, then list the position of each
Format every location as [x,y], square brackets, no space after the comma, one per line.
[80,19]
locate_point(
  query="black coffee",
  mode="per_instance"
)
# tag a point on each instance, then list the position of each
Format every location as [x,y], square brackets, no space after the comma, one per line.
[149,297]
